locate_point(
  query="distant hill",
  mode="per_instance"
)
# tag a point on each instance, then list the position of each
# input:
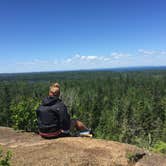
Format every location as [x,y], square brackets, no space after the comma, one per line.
[76,74]
[120,69]
[145,68]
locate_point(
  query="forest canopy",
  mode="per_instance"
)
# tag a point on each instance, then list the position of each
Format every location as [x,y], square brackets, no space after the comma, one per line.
[128,106]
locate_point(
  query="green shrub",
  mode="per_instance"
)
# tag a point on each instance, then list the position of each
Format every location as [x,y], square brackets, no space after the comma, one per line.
[134,157]
[24,115]
[160,147]
[5,160]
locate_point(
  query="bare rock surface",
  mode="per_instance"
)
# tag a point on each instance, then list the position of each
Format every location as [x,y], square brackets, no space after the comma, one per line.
[29,149]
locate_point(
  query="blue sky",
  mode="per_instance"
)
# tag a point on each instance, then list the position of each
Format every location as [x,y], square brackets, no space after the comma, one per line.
[51,35]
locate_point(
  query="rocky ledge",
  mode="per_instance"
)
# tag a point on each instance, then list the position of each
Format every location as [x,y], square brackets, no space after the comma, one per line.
[29,149]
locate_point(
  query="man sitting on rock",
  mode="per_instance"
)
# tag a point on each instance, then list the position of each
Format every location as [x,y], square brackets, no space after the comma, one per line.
[54,119]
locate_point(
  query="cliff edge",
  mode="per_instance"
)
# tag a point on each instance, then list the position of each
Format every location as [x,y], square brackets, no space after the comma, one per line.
[29,149]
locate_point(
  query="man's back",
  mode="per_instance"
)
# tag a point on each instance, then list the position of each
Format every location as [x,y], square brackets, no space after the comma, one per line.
[52,115]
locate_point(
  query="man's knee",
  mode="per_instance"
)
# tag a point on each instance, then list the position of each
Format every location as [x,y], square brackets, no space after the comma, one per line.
[73,123]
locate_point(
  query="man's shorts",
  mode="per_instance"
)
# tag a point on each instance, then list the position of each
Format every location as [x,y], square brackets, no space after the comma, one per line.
[59,133]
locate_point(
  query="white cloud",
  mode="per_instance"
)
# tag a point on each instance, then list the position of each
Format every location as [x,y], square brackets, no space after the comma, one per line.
[146,52]
[140,58]
[69,60]
[151,52]
[83,57]
[92,57]
[163,52]
[116,55]
[36,62]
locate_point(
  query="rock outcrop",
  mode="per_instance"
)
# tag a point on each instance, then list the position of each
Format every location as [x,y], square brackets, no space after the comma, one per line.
[29,149]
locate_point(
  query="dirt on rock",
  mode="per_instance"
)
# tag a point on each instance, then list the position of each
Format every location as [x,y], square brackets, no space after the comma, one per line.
[29,149]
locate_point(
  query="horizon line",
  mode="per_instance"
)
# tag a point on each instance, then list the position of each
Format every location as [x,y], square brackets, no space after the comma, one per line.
[93,69]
